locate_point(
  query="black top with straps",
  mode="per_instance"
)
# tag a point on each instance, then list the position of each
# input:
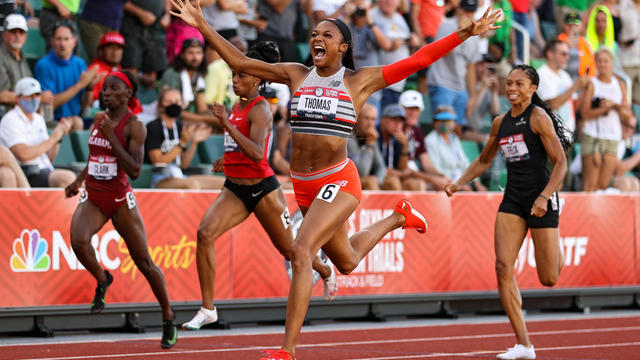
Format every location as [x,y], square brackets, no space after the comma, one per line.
[524,154]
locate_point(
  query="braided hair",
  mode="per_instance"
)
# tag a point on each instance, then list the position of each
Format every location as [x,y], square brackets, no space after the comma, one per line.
[266,51]
[558,124]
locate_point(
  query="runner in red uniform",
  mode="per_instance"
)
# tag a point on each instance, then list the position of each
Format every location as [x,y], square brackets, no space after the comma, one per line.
[116,150]
[251,186]
[325,101]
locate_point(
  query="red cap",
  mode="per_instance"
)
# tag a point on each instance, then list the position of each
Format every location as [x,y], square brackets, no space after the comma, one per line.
[112,37]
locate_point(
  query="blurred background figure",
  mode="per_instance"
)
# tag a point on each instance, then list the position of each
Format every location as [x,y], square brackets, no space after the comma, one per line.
[363,150]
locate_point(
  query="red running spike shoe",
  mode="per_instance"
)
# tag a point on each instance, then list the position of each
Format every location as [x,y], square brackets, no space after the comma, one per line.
[278,355]
[412,218]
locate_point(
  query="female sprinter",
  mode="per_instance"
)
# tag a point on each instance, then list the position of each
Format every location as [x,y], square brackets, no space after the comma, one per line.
[326,99]
[527,134]
[251,186]
[116,149]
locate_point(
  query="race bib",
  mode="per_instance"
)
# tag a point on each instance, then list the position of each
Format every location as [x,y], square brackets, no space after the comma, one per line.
[230,144]
[514,148]
[103,167]
[321,104]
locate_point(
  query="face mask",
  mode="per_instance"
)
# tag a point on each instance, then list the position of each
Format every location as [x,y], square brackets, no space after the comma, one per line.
[30,105]
[444,128]
[173,110]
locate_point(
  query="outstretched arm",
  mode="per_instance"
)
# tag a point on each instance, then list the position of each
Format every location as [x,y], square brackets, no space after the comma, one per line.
[481,163]
[191,13]
[376,78]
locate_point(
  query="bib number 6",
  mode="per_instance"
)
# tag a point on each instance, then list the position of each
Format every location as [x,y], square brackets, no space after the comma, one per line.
[328,192]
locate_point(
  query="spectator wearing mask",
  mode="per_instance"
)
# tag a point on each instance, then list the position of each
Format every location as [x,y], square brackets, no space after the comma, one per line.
[581,61]
[186,74]
[13,64]
[99,17]
[65,76]
[452,78]
[445,149]
[629,49]
[171,144]
[54,12]
[24,132]
[363,149]
[108,60]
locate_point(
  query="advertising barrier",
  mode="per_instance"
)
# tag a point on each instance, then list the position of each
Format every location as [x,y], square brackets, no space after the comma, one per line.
[38,266]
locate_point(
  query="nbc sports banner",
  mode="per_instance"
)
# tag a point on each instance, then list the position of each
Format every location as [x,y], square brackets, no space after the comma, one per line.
[38,266]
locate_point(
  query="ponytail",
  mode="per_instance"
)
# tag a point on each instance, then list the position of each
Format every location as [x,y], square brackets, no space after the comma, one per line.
[561,130]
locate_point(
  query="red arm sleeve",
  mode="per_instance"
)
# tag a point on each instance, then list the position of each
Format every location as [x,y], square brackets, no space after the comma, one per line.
[422,58]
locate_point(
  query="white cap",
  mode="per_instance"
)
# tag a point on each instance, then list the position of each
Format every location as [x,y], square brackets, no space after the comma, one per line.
[15,21]
[411,98]
[27,87]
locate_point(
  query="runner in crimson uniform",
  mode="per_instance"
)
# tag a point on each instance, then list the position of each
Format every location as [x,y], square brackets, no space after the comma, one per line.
[251,186]
[330,94]
[116,150]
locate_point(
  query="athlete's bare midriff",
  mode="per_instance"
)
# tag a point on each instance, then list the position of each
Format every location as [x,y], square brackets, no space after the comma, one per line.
[316,152]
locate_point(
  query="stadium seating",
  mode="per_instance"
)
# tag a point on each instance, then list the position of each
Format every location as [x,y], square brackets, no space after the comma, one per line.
[66,156]
[211,149]
[80,142]
[144,179]
[470,148]
[34,48]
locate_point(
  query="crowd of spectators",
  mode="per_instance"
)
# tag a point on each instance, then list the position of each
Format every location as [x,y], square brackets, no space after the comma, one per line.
[416,135]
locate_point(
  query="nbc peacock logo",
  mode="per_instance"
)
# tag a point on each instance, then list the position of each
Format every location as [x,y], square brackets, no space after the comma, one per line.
[30,253]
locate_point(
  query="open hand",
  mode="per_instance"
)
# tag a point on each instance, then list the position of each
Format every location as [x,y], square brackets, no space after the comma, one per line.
[187,11]
[482,25]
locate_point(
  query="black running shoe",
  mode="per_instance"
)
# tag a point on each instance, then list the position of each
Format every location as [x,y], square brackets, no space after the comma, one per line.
[101,292]
[169,333]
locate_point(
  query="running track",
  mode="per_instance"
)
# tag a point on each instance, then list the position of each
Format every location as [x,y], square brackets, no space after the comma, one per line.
[583,338]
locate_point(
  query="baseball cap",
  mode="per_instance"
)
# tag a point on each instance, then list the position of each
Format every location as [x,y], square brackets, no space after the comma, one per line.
[112,37]
[572,18]
[28,86]
[469,5]
[411,98]
[15,21]
[393,110]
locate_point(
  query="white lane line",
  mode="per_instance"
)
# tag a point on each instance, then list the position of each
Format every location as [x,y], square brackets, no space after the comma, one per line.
[474,353]
[367,342]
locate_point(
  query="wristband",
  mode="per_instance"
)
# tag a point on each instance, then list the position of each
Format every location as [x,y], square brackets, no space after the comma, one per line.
[543,197]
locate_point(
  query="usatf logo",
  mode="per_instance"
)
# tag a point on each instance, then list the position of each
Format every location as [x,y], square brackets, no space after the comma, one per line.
[30,253]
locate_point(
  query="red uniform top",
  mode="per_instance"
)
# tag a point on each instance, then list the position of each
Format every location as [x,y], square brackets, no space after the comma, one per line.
[104,174]
[236,163]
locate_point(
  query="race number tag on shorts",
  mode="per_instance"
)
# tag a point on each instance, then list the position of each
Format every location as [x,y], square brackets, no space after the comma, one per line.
[229,143]
[103,167]
[328,192]
[131,200]
[286,218]
[321,104]
[514,148]
[83,196]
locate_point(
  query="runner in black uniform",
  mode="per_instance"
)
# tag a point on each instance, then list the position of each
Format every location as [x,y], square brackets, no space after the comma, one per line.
[528,135]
